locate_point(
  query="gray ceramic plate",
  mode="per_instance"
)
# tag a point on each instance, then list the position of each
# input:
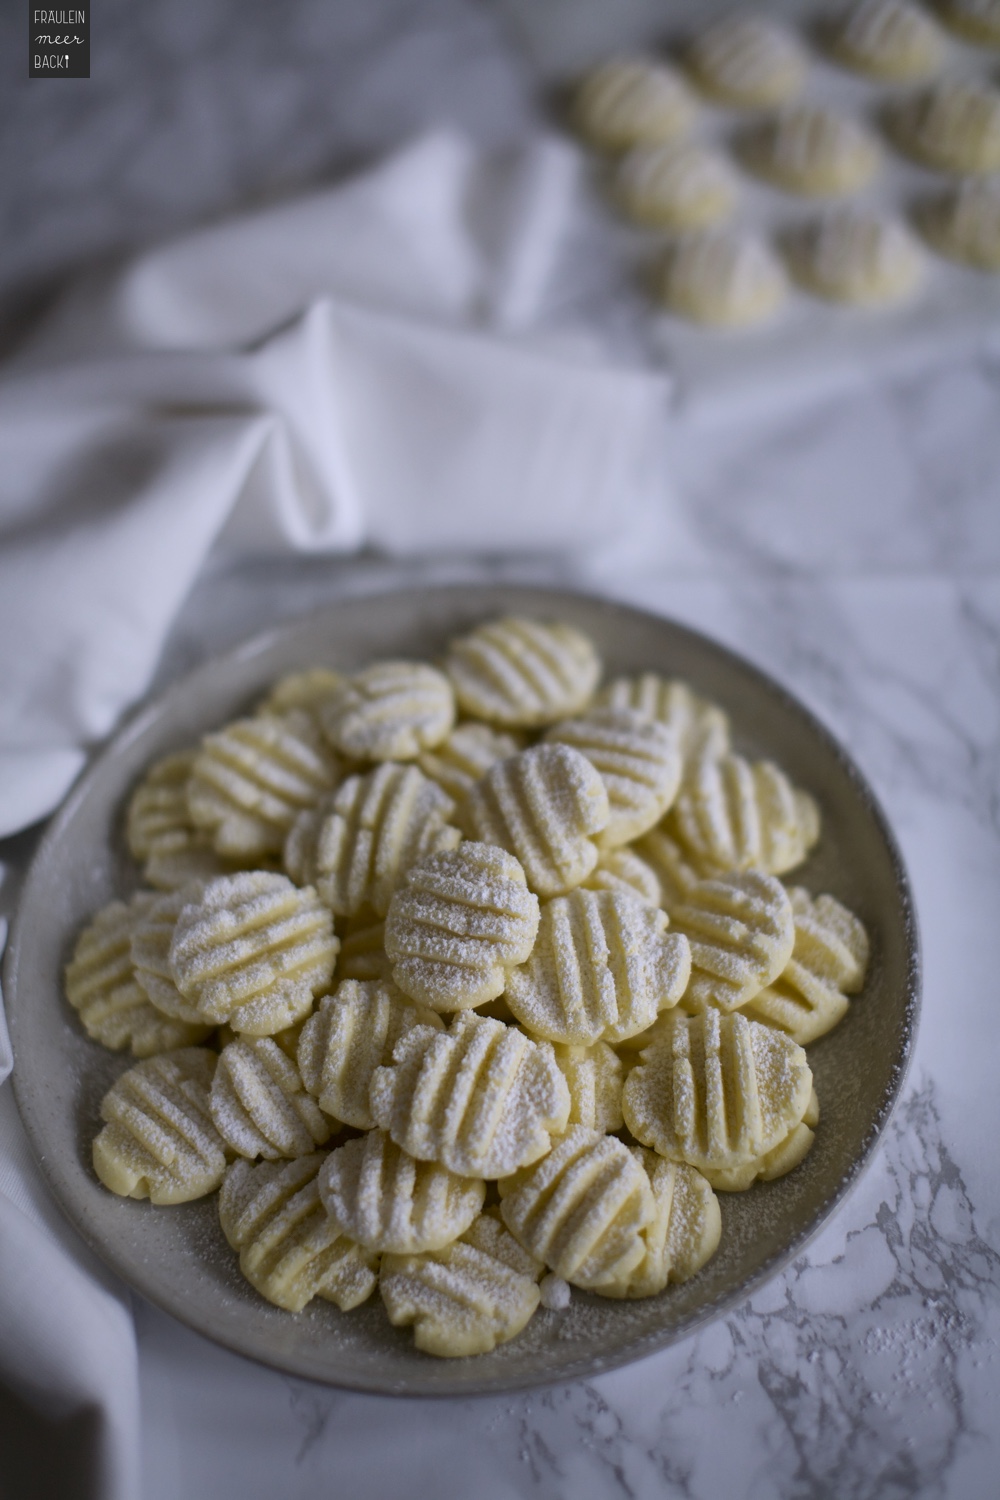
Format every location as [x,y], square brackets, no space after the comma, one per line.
[177,1257]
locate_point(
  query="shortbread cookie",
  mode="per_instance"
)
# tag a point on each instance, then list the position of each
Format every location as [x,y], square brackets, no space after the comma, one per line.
[362,952]
[523,674]
[889,39]
[356,846]
[857,256]
[457,925]
[733,814]
[678,187]
[391,710]
[353,1033]
[639,761]
[628,101]
[625,870]
[741,929]
[965,225]
[723,278]
[259,1105]
[161,832]
[290,1251]
[378,1195]
[476,1293]
[545,806]
[701,727]
[813,151]
[152,934]
[594,1077]
[250,781]
[780,1160]
[684,1232]
[481,1098]
[602,969]
[102,987]
[954,126]
[582,1209]
[159,1141]
[976,20]
[674,872]
[748,62]
[254,951]
[466,755]
[716,1090]
[306,690]
[828,963]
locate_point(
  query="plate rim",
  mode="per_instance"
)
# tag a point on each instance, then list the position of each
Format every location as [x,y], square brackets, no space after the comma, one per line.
[155,707]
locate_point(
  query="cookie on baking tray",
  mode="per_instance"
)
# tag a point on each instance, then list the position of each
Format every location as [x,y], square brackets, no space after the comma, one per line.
[954,126]
[677,187]
[722,278]
[964,224]
[814,151]
[856,256]
[748,62]
[628,101]
[891,40]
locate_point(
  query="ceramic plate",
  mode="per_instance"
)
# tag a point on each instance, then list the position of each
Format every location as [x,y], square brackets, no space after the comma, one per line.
[178,1258]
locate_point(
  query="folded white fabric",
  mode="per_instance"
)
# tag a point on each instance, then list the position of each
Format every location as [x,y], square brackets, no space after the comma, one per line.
[362,366]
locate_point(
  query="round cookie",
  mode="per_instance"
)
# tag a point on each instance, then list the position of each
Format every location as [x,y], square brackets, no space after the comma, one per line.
[628,101]
[258,1103]
[953,126]
[391,710]
[859,257]
[813,151]
[701,727]
[742,932]
[160,831]
[734,814]
[676,187]
[890,40]
[722,278]
[386,1201]
[828,963]
[965,225]
[522,674]
[748,62]
[639,762]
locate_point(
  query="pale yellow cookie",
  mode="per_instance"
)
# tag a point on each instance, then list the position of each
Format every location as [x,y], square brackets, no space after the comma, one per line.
[749,62]
[722,278]
[254,951]
[734,814]
[639,761]
[259,1105]
[889,39]
[152,934]
[741,930]
[250,781]
[476,1293]
[675,874]
[160,831]
[457,925]
[481,1097]
[362,952]
[777,1162]
[701,727]
[684,1232]
[828,963]
[630,100]
[814,151]
[954,126]
[466,755]
[545,806]
[625,870]
[975,20]
[582,1209]
[290,1251]
[716,1090]
[103,988]
[391,710]
[602,969]
[356,846]
[678,187]
[306,690]
[159,1141]
[352,1033]
[594,1077]
[378,1195]
[523,674]
[965,225]
[856,256]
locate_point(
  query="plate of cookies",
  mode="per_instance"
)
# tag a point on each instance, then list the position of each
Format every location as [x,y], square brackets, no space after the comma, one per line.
[461,989]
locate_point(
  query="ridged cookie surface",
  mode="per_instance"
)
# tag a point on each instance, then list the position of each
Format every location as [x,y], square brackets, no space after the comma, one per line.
[160,831]
[701,727]
[683,1233]
[523,674]
[391,710]
[828,963]
[386,1200]
[594,1076]
[627,101]
[748,61]
[637,758]
[259,1105]
[734,814]
[742,931]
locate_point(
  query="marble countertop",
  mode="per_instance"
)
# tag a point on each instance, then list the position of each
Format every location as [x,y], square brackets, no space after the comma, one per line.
[851,546]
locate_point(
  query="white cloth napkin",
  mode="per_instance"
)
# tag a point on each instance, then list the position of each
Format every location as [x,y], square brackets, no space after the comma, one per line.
[361,366]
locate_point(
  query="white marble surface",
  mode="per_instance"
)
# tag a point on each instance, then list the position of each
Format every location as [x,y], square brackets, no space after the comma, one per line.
[852,547]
